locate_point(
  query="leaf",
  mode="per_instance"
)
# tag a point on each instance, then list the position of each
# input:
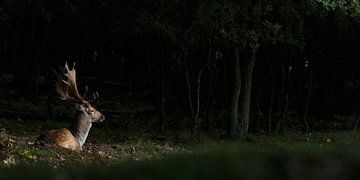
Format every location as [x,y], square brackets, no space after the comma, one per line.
[218,55]
[9,161]
[27,154]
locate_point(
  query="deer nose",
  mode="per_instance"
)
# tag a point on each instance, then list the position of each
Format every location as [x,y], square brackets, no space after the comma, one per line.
[102,118]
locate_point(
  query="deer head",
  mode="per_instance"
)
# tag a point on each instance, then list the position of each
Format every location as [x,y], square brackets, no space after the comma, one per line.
[67,89]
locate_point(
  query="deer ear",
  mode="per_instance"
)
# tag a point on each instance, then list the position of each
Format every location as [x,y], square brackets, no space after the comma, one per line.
[80,107]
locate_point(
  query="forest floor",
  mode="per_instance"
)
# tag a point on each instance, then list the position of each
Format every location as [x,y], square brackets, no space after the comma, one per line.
[112,153]
[128,145]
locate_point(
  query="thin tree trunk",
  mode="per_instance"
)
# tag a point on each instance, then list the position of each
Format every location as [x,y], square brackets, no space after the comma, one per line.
[197,112]
[49,97]
[163,100]
[307,101]
[245,98]
[280,124]
[256,118]
[234,98]
[211,98]
[272,97]
[271,109]
[357,120]
[211,83]
[47,64]
[163,89]
[188,83]
[284,112]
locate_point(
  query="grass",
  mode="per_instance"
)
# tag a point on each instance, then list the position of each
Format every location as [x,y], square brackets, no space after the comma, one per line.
[111,153]
[103,145]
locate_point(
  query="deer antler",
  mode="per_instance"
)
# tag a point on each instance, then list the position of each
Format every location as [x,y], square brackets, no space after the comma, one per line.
[66,85]
[94,96]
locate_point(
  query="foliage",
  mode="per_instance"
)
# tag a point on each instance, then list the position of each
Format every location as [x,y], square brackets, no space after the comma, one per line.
[307,58]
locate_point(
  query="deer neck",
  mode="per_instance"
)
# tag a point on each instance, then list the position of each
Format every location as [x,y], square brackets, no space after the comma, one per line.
[80,127]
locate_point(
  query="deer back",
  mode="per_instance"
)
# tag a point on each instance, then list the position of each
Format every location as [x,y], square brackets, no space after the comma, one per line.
[63,138]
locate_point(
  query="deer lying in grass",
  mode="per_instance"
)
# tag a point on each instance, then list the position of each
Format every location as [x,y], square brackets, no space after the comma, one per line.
[74,136]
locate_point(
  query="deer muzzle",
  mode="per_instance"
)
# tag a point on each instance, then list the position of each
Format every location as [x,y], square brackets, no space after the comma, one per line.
[102,118]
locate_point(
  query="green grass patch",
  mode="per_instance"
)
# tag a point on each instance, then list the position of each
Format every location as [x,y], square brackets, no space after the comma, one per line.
[110,153]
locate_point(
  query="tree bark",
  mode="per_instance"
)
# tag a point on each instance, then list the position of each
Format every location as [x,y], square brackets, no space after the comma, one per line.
[163,101]
[197,112]
[234,98]
[357,120]
[162,116]
[245,98]
[163,91]
[307,102]
[188,83]
[271,108]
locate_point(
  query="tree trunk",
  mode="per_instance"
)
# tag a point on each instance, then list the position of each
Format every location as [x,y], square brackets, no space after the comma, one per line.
[357,120]
[188,83]
[163,101]
[307,102]
[163,91]
[245,98]
[211,96]
[271,108]
[234,98]
[197,112]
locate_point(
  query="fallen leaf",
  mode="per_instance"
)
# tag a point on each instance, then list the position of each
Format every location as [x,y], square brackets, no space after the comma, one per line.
[9,161]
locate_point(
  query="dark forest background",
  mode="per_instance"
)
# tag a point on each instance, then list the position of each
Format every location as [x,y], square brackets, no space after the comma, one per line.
[219,66]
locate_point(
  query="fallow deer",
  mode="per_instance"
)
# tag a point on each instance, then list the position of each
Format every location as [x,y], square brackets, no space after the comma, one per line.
[74,136]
